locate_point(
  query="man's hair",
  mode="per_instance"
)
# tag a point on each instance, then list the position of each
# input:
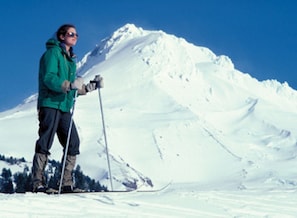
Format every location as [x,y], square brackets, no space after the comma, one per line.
[63,30]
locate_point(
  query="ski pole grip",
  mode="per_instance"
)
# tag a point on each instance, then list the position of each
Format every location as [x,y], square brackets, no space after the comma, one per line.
[98,80]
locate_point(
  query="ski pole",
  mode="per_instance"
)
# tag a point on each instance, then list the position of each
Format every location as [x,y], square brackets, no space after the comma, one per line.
[67,143]
[104,132]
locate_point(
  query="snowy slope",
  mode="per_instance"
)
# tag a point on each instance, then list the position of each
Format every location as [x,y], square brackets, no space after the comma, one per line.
[183,106]
[176,112]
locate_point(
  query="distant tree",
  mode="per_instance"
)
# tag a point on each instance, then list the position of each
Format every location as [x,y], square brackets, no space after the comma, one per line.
[20,181]
[79,178]
[29,183]
[54,180]
[84,182]
[6,181]
[6,174]
[96,186]
[12,160]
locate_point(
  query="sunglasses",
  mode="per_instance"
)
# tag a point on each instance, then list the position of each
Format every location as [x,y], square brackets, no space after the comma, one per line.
[72,34]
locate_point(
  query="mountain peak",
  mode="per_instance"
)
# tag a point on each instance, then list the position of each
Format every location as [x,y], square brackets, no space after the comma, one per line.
[126,32]
[128,29]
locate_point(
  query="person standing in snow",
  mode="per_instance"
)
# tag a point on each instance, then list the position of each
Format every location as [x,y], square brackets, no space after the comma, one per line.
[58,84]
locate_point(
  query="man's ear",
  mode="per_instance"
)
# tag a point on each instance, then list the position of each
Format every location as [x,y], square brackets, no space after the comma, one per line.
[62,37]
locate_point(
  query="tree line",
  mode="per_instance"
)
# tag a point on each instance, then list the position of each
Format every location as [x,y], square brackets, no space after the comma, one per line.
[21,182]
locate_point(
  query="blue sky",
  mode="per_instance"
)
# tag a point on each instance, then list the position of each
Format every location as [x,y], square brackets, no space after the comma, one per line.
[258,35]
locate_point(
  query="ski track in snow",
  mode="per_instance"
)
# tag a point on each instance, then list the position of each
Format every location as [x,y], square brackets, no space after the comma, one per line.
[169,204]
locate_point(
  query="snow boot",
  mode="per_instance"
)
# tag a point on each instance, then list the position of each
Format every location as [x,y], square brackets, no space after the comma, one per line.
[67,182]
[69,166]
[38,177]
[70,189]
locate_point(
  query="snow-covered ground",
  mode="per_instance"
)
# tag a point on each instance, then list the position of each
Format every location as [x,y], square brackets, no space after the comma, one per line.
[174,112]
[182,201]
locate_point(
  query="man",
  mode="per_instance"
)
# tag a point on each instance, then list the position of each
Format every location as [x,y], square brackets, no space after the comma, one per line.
[58,86]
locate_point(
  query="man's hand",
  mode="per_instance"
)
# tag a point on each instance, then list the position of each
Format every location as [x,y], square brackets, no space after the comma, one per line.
[97,82]
[65,86]
[77,83]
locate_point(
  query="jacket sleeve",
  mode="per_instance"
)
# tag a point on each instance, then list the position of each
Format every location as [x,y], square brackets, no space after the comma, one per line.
[53,70]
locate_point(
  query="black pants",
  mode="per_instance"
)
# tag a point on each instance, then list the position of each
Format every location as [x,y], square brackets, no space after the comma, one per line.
[52,121]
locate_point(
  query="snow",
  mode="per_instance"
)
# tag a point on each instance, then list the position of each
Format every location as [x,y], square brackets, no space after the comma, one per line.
[179,201]
[174,112]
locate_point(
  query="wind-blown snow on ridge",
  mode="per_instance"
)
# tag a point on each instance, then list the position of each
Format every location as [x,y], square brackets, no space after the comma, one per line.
[173,111]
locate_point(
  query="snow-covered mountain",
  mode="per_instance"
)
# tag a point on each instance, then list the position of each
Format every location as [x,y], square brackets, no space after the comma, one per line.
[173,111]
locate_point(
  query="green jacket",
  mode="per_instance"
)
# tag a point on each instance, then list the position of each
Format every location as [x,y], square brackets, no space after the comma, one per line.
[55,67]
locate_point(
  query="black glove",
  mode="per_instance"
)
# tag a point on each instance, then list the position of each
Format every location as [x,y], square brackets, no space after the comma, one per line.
[97,82]
[90,87]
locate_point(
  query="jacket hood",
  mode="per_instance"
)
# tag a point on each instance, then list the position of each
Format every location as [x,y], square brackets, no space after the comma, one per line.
[52,43]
